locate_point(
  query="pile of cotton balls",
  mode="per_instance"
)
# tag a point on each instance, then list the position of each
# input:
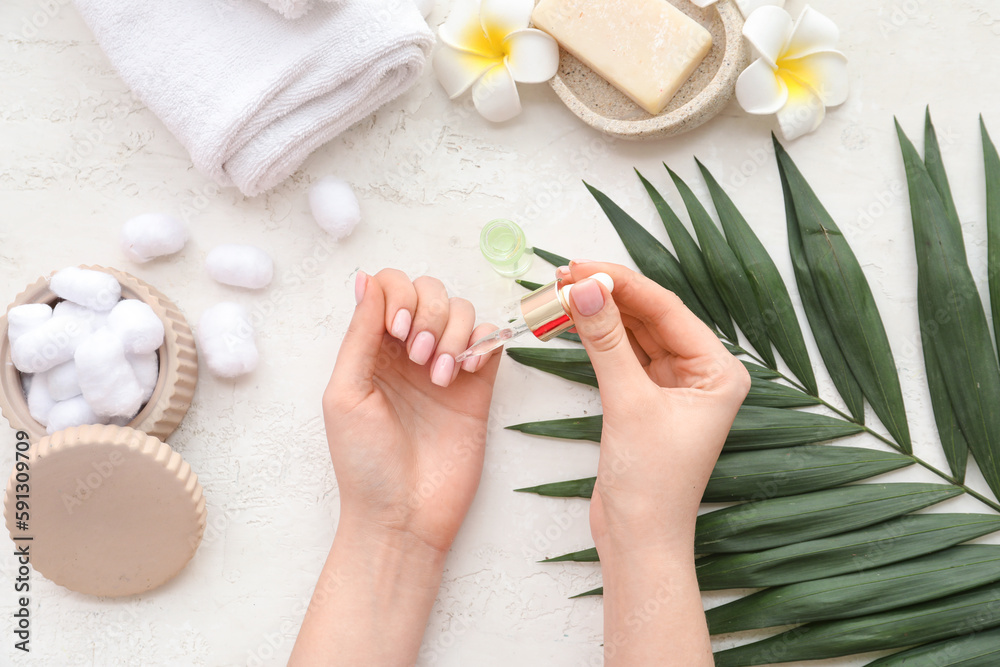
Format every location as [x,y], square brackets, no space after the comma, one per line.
[90,359]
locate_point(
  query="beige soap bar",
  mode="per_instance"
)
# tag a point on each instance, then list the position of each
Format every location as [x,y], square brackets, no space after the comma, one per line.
[645,48]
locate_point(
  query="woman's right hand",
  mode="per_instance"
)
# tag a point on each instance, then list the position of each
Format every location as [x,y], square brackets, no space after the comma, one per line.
[670,391]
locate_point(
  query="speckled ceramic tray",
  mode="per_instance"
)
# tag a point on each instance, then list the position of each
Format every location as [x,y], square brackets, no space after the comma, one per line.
[604,107]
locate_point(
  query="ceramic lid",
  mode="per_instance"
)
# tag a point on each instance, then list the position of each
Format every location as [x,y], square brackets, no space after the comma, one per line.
[111,510]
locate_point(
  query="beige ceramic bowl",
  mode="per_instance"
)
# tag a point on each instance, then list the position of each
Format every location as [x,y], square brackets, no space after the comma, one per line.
[709,89]
[178,362]
[107,510]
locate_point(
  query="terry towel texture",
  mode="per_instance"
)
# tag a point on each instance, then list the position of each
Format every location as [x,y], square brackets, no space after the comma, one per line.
[292,9]
[249,93]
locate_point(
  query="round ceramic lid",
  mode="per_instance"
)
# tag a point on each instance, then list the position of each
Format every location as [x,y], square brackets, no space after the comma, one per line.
[110,510]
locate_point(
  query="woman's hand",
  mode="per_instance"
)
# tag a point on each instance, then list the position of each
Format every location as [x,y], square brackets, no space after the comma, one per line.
[670,391]
[407,434]
[406,426]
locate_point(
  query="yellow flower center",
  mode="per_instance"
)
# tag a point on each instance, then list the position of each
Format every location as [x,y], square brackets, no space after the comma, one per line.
[487,43]
[799,78]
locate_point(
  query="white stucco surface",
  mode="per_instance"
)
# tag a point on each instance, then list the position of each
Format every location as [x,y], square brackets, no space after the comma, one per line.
[429,172]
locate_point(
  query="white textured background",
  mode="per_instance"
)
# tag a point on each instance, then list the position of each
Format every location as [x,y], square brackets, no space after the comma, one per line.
[430,173]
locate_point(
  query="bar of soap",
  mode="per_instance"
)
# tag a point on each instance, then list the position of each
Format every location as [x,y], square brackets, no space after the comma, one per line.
[645,48]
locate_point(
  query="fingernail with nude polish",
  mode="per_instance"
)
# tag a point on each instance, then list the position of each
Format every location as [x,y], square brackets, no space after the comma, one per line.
[422,348]
[360,283]
[401,324]
[443,370]
[469,365]
[587,297]
[580,261]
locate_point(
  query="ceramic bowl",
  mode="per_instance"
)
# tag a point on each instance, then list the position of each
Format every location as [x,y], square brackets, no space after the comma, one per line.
[178,376]
[706,92]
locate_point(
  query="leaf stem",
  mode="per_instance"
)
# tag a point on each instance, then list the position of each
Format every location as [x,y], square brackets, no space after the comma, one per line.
[995,506]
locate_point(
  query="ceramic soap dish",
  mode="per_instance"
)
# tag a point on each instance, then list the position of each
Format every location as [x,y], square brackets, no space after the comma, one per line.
[706,92]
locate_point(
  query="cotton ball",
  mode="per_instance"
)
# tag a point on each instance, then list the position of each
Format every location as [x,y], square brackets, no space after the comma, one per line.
[26,382]
[63,382]
[334,206]
[152,235]
[73,412]
[240,265]
[97,319]
[40,401]
[106,378]
[49,345]
[226,340]
[425,6]
[23,319]
[93,289]
[147,371]
[136,325]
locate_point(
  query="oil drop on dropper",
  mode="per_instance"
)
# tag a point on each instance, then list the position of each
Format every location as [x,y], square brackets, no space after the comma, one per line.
[544,312]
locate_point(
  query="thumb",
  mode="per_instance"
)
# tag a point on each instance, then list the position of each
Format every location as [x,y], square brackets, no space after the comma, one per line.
[603,334]
[362,344]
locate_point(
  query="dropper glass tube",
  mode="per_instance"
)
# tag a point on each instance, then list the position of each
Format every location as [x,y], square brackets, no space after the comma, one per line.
[544,312]
[505,247]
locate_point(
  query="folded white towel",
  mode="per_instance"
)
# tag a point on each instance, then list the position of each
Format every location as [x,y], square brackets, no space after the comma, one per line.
[291,9]
[249,93]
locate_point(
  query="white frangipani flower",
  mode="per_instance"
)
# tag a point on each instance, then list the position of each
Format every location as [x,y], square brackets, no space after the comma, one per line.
[798,73]
[489,47]
[747,7]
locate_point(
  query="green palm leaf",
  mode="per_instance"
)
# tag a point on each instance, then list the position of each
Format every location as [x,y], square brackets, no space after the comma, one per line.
[765,428]
[767,394]
[893,541]
[929,621]
[761,372]
[572,365]
[585,556]
[931,577]
[652,258]
[976,649]
[767,284]
[955,447]
[692,261]
[775,473]
[836,364]
[771,473]
[573,488]
[809,516]
[888,542]
[753,428]
[961,339]
[730,278]
[992,165]
[575,365]
[550,257]
[848,303]
[574,428]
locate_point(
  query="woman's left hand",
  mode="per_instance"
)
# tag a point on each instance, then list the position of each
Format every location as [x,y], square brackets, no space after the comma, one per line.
[407,426]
